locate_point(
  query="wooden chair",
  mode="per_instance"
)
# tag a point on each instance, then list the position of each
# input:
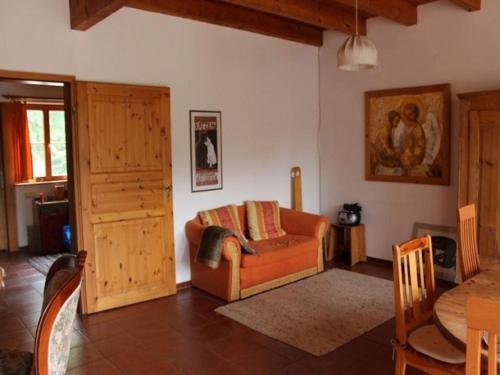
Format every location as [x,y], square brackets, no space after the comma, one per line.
[482,315]
[53,334]
[2,277]
[419,343]
[467,242]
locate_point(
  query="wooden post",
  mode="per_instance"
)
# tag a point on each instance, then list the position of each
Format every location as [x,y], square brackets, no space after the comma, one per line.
[296,175]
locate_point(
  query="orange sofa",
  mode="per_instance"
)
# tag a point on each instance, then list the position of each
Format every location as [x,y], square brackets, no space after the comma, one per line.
[278,261]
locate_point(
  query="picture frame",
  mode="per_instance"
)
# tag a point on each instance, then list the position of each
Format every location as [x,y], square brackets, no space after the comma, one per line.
[407,135]
[206,150]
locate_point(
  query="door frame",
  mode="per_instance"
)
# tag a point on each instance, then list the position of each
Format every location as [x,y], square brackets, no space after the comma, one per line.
[72,152]
[469,103]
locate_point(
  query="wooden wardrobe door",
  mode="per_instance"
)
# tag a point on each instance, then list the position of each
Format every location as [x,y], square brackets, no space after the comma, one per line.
[125,189]
[484,176]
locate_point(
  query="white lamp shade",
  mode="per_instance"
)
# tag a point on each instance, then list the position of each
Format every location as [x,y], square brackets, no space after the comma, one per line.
[357,53]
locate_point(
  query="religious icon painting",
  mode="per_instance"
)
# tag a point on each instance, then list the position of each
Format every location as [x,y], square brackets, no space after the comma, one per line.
[408,135]
[206,151]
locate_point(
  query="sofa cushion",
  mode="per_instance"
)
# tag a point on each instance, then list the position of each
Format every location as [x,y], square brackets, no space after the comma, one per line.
[278,249]
[253,276]
[226,217]
[263,220]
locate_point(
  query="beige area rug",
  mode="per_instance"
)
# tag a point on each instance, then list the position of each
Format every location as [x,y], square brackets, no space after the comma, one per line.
[320,313]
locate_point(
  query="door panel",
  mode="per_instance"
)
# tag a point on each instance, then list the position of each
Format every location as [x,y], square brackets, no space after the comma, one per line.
[484,177]
[125,188]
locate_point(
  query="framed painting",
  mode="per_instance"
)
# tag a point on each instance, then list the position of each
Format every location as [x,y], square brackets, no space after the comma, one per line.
[206,150]
[408,135]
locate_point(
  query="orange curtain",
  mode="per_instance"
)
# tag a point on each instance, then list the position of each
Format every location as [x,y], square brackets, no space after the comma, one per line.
[16,132]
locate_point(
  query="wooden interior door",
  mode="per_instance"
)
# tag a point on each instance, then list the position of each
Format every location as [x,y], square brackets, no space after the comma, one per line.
[484,177]
[125,188]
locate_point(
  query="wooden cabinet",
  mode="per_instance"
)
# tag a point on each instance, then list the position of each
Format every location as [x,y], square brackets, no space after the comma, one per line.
[46,234]
[347,240]
[479,164]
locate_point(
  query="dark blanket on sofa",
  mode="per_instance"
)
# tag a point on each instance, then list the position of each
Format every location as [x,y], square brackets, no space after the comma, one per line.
[212,243]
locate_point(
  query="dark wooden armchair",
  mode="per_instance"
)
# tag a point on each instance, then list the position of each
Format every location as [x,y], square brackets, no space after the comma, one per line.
[53,334]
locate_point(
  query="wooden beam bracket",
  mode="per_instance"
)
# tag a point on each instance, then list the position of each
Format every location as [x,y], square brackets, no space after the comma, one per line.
[223,14]
[86,13]
[313,12]
[470,5]
[401,11]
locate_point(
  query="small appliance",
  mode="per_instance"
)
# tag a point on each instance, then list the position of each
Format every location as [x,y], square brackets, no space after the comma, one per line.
[350,214]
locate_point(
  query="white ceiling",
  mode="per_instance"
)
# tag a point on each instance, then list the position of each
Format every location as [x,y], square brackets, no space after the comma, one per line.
[17,88]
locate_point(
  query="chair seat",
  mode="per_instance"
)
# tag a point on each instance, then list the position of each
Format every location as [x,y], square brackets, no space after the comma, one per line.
[429,341]
[15,362]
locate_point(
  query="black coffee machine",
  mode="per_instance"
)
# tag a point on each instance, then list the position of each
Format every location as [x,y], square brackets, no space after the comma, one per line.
[350,214]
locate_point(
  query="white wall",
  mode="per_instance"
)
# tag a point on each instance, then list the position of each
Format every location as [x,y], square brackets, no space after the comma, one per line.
[266,88]
[25,194]
[449,45]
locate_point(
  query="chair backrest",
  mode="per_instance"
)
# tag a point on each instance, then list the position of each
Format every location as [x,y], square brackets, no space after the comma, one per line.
[2,277]
[61,295]
[467,242]
[414,286]
[482,315]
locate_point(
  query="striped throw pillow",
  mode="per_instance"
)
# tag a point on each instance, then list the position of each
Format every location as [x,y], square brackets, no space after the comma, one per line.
[264,220]
[226,217]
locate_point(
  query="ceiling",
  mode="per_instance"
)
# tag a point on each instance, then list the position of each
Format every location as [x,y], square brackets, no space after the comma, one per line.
[20,89]
[301,21]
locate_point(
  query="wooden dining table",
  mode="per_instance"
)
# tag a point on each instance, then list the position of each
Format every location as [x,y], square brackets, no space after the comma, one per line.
[450,307]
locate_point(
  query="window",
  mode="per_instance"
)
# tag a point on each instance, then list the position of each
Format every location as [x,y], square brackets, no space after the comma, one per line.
[47,128]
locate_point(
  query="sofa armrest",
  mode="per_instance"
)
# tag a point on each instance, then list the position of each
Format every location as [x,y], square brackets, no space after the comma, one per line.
[232,254]
[232,250]
[224,281]
[194,232]
[303,223]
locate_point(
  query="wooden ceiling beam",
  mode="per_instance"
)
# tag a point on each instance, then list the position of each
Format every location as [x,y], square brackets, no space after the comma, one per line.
[470,5]
[237,17]
[86,13]
[401,11]
[313,12]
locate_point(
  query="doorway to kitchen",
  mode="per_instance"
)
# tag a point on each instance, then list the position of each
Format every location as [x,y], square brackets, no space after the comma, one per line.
[37,213]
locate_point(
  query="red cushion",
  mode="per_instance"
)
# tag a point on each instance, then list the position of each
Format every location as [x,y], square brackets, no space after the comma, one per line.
[226,217]
[278,249]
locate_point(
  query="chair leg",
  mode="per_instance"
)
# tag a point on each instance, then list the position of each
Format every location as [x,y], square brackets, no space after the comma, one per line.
[400,368]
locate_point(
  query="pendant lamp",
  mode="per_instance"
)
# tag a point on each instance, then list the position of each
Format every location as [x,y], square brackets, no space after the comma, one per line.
[357,52]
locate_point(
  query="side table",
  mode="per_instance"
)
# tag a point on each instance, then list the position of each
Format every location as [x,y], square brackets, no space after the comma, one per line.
[347,239]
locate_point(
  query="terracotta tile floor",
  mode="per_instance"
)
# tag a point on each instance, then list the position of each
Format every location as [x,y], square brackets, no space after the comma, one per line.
[179,335]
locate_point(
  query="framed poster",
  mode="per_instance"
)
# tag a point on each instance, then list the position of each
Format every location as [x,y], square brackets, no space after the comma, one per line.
[408,135]
[206,150]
